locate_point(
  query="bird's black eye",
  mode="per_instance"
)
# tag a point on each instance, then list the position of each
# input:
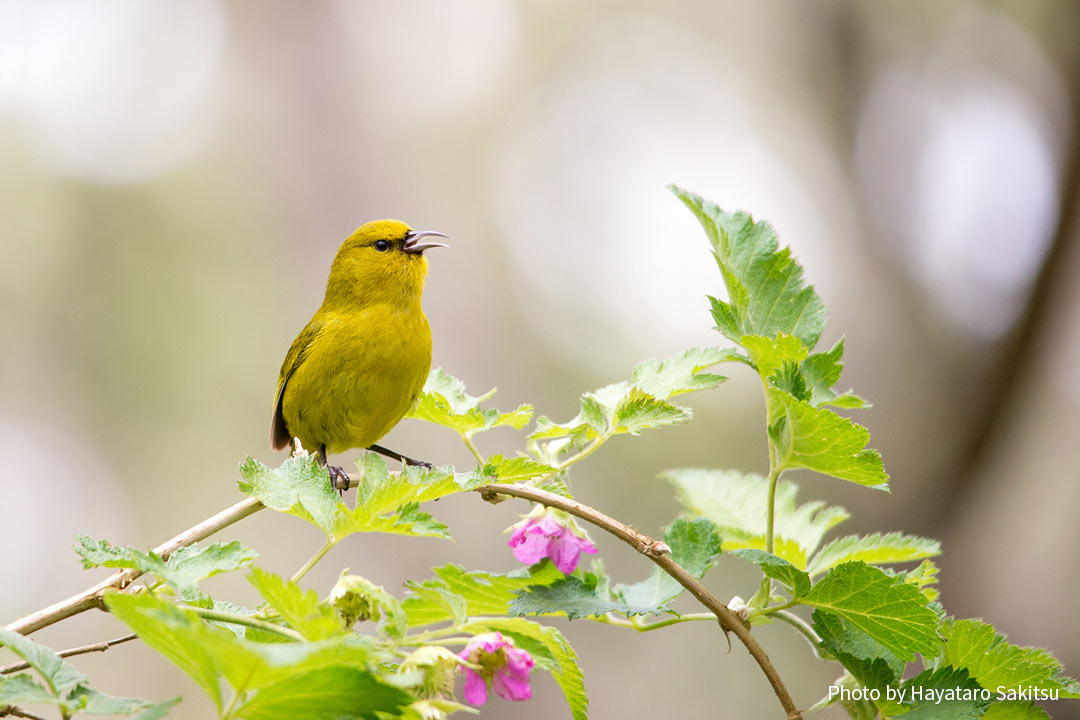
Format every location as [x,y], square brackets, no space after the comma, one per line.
[382,245]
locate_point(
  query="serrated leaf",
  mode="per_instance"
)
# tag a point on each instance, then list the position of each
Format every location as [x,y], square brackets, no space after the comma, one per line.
[994,662]
[795,580]
[573,598]
[875,549]
[736,504]
[390,502]
[92,702]
[868,661]
[480,593]
[1015,710]
[923,577]
[770,354]
[695,544]
[886,608]
[57,674]
[766,293]
[546,644]
[944,694]
[330,693]
[302,610]
[497,469]
[183,570]
[22,689]
[639,411]
[156,711]
[299,487]
[680,373]
[818,439]
[175,633]
[444,401]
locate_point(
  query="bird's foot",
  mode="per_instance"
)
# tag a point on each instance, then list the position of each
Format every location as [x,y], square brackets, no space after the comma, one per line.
[339,479]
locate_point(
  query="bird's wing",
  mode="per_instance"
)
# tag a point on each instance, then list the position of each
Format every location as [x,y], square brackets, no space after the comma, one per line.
[279,433]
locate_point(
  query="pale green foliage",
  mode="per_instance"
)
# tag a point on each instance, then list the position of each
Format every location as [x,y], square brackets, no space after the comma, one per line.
[183,570]
[736,504]
[993,661]
[456,593]
[887,609]
[796,580]
[302,610]
[875,549]
[444,401]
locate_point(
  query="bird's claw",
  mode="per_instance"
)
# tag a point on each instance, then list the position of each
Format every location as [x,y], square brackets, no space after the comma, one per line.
[339,479]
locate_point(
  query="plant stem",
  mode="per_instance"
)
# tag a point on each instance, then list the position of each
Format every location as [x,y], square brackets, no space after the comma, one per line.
[586,452]
[92,596]
[18,712]
[95,647]
[327,546]
[467,439]
[690,617]
[803,628]
[660,554]
[770,517]
[247,620]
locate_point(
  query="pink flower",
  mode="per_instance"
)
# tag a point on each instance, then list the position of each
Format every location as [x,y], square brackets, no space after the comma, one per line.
[501,664]
[547,532]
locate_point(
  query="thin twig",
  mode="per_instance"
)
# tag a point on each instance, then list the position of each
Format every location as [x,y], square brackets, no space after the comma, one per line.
[81,650]
[660,554]
[18,712]
[92,596]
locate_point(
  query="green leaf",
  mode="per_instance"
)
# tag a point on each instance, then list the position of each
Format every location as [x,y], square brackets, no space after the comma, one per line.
[766,293]
[92,702]
[876,549]
[156,711]
[175,633]
[695,544]
[302,610]
[444,401]
[300,487]
[638,410]
[868,661]
[390,502]
[944,694]
[57,674]
[736,504]
[481,593]
[22,689]
[575,599]
[994,662]
[818,439]
[497,469]
[770,354]
[796,581]
[1015,710]
[886,608]
[183,570]
[549,647]
[331,693]
[664,379]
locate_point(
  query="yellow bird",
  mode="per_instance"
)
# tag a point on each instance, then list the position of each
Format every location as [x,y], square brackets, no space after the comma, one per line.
[358,365]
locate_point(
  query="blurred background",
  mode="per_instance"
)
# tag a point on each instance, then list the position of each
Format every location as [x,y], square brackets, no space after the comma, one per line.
[175,178]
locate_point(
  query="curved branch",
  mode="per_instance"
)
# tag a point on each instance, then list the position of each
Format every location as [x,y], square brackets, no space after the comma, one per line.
[81,650]
[660,554]
[92,596]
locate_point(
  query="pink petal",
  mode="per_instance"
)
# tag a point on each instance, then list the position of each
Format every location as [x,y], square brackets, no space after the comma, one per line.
[564,553]
[518,535]
[533,549]
[511,686]
[475,688]
[550,526]
[518,661]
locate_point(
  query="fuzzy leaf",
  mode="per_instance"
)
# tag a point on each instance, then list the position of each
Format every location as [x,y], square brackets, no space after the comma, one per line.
[794,579]
[994,662]
[736,504]
[818,439]
[57,674]
[302,610]
[868,661]
[766,293]
[300,487]
[886,608]
[331,693]
[1015,710]
[456,593]
[942,696]
[876,549]
[680,373]
[23,689]
[444,401]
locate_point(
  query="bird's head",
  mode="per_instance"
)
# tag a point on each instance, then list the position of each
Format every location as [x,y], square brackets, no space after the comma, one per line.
[382,261]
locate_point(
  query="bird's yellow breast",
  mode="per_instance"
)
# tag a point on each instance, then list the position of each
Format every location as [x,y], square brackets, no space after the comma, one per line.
[362,372]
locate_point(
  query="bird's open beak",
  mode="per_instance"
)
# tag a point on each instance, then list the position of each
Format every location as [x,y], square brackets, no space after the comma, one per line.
[414,246]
